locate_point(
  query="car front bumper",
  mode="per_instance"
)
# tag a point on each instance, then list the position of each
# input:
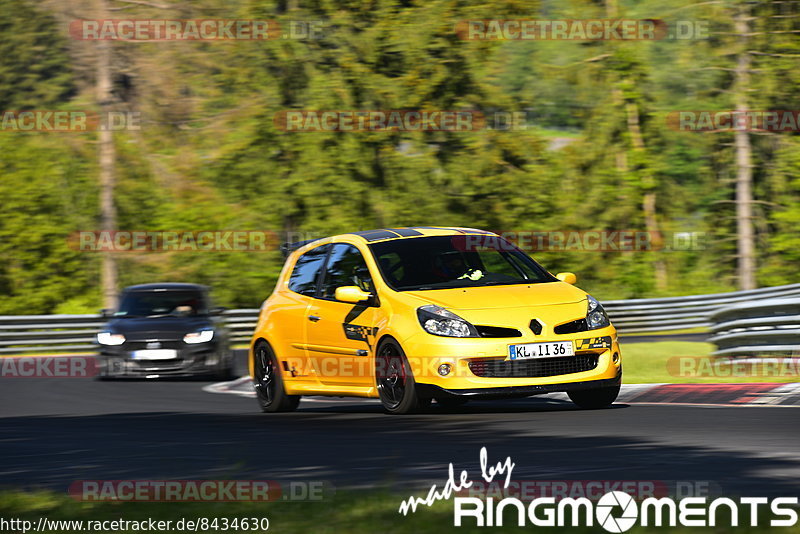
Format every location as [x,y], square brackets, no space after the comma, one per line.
[504,392]
[480,367]
[201,359]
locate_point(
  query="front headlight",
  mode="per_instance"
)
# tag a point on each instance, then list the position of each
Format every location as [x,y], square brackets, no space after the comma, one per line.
[203,336]
[107,338]
[596,316]
[440,322]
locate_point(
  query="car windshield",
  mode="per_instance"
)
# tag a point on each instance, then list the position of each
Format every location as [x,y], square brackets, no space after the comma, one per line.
[444,262]
[162,303]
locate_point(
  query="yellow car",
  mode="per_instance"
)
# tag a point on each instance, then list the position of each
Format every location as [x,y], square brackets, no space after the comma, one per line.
[409,315]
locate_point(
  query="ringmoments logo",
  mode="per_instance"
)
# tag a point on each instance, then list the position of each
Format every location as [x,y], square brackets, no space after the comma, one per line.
[615,511]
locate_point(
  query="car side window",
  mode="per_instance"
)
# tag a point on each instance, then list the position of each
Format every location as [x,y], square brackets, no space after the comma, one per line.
[346,267]
[306,271]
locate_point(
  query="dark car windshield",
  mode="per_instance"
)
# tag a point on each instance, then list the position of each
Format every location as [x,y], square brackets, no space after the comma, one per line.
[155,303]
[443,262]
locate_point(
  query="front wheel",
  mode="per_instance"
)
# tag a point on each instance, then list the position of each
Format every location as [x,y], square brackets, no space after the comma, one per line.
[593,399]
[268,382]
[395,381]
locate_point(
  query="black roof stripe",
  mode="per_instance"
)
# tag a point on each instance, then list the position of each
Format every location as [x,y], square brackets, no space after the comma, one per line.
[376,235]
[390,233]
[405,232]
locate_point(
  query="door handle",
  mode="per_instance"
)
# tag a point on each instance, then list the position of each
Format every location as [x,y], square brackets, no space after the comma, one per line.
[314,318]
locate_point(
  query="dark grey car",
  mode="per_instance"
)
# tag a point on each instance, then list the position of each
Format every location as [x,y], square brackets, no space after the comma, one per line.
[167,329]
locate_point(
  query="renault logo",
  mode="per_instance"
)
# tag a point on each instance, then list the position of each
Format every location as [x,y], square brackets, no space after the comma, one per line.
[154,345]
[536,327]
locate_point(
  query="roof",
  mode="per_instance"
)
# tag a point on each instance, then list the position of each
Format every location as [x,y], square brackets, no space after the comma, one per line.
[385,234]
[167,286]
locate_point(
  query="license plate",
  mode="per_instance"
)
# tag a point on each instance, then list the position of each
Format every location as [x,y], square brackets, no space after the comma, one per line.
[155,354]
[551,349]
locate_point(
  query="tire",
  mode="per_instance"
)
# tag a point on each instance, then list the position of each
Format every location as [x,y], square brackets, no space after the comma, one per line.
[451,402]
[103,374]
[227,371]
[268,382]
[395,381]
[594,399]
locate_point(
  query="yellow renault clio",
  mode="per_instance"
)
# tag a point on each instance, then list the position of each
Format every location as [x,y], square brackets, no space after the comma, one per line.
[408,315]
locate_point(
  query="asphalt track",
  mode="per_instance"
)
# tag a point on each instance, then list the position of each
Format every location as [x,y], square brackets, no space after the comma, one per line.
[56,431]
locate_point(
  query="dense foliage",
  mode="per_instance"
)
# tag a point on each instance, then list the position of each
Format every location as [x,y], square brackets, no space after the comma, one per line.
[209,155]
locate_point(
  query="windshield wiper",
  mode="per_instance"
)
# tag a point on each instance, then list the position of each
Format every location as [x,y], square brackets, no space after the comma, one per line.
[512,282]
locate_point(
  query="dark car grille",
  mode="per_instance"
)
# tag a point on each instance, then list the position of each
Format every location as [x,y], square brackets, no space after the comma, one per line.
[497,331]
[142,345]
[535,367]
[571,327]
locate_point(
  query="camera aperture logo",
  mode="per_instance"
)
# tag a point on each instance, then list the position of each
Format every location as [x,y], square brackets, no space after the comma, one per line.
[605,511]
[615,511]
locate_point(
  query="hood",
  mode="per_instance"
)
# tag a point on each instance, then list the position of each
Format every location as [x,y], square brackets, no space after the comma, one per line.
[163,328]
[494,297]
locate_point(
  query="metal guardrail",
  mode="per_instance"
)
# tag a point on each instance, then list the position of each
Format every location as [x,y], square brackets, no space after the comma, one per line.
[21,334]
[679,313]
[767,326]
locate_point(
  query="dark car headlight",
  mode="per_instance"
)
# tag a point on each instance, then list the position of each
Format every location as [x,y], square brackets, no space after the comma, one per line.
[107,338]
[201,336]
[441,322]
[596,316]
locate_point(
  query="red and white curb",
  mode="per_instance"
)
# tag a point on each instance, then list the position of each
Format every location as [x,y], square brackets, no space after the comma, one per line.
[746,394]
[749,394]
[241,386]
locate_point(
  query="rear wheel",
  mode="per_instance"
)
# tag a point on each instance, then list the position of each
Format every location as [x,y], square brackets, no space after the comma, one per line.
[268,382]
[395,381]
[593,399]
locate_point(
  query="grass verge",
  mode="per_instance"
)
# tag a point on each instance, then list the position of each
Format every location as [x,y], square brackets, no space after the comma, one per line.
[658,363]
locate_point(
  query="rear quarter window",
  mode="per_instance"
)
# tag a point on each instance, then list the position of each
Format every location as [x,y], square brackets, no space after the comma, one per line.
[306,271]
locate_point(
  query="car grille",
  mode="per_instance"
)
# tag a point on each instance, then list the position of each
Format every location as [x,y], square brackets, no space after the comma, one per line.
[571,327]
[535,367]
[497,331]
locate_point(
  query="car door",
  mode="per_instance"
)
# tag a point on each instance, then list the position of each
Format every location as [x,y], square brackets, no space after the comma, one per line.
[340,336]
[291,310]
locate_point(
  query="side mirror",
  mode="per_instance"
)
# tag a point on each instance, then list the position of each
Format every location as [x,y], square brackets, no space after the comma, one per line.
[351,294]
[106,313]
[569,278]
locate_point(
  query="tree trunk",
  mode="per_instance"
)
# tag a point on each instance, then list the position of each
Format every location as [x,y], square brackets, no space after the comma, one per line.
[106,158]
[649,198]
[744,164]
